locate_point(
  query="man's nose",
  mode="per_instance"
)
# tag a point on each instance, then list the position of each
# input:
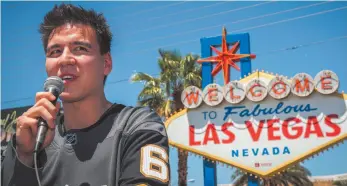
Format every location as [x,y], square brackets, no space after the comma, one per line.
[67,58]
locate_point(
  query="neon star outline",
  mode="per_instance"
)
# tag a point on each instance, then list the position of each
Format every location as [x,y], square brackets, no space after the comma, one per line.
[226,58]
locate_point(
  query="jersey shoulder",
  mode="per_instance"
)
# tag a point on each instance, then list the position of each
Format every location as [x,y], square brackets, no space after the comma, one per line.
[140,119]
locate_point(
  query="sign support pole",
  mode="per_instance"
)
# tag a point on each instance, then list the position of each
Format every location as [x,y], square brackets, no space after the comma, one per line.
[252,181]
[210,176]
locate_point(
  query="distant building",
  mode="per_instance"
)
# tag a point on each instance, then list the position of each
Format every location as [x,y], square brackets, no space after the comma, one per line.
[327,180]
[317,180]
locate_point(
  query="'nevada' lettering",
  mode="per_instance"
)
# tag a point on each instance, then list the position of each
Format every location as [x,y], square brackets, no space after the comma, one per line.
[286,150]
[260,151]
[265,152]
[255,151]
[276,150]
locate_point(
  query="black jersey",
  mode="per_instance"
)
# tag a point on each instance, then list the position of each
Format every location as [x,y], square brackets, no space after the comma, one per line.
[127,146]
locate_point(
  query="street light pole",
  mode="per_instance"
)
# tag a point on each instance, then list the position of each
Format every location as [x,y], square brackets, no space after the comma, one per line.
[188,181]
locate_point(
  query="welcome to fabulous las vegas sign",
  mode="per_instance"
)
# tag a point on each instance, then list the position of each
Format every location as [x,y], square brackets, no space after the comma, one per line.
[262,123]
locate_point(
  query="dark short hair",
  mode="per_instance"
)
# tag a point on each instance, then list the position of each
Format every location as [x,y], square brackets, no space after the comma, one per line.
[67,13]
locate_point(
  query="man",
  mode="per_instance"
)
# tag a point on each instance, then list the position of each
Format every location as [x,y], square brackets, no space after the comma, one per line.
[95,142]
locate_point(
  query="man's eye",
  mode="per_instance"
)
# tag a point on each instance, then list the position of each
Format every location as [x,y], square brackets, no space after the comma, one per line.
[80,48]
[54,52]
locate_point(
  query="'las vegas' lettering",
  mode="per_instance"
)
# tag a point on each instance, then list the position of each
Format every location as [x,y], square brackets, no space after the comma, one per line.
[276,130]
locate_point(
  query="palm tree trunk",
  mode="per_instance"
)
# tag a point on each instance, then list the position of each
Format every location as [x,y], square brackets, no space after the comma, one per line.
[177,99]
[182,156]
[182,168]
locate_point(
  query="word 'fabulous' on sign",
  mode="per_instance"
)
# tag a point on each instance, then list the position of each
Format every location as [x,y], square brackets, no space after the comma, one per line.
[302,84]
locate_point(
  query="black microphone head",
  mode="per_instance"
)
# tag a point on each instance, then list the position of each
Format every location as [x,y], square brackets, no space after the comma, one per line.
[54,84]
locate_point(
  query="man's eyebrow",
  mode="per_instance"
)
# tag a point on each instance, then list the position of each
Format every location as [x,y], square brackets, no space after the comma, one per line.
[82,43]
[53,46]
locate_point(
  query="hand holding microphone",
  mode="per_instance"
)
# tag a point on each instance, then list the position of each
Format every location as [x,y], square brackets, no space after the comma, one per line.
[35,128]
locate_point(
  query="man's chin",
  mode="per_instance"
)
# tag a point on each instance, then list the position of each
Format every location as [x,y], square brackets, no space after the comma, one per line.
[68,98]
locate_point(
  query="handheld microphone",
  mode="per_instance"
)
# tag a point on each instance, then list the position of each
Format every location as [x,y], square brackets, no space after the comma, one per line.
[54,85]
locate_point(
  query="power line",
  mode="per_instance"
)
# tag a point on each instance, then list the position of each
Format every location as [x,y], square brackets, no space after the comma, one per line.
[194,19]
[292,19]
[122,6]
[15,100]
[179,12]
[233,22]
[261,53]
[123,80]
[249,28]
[148,10]
[302,45]
[108,83]
[187,10]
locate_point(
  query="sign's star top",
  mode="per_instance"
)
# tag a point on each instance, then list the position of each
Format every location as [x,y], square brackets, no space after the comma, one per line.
[226,58]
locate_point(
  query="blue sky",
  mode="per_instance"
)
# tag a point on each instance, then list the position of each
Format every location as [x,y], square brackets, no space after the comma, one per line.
[140,28]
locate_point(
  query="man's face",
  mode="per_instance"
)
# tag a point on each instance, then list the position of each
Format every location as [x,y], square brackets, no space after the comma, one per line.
[73,54]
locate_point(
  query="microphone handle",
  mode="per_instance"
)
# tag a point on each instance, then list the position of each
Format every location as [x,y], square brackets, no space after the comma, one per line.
[41,134]
[43,126]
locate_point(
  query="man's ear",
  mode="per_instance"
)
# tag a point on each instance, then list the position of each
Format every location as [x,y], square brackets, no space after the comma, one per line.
[107,63]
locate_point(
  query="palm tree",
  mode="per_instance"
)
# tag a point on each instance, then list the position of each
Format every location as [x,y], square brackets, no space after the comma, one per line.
[163,93]
[294,176]
[340,183]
